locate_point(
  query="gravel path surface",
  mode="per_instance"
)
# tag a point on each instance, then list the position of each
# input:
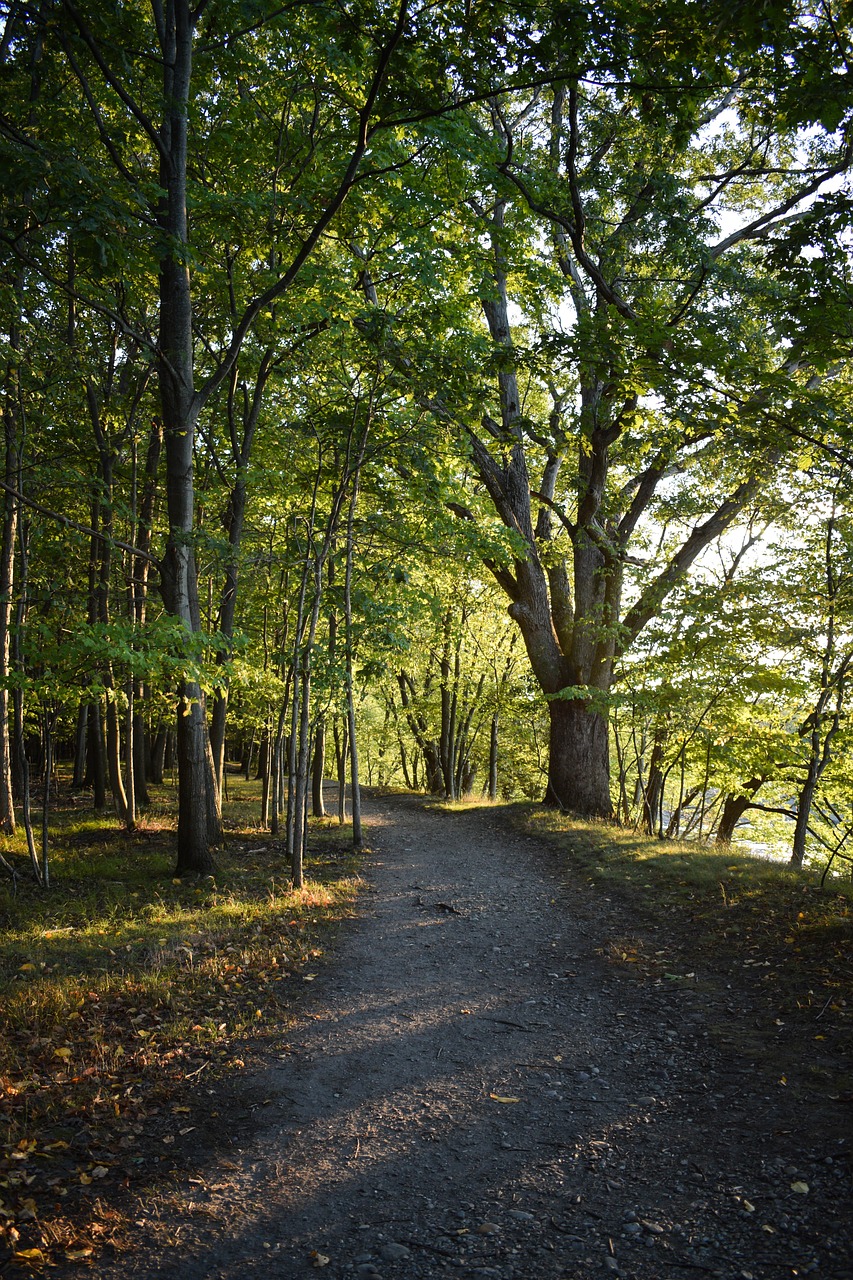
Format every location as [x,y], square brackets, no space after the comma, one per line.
[473,1089]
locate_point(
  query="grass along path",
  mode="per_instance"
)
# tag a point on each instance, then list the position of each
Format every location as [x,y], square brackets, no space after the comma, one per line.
[690,909]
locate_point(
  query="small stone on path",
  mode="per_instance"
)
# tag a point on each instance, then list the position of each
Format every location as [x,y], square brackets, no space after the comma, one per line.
[392,1252]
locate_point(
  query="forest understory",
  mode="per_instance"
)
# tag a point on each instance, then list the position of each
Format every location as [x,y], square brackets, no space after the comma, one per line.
[491,1056]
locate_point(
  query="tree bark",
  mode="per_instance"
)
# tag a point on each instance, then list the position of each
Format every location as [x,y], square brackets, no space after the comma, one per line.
[198,800]
[349,657]
[318,807]
[734,807]
[653,791]
[493,759]
[97,758]
[157,758]
[7,573]
[78,780]
[579,759]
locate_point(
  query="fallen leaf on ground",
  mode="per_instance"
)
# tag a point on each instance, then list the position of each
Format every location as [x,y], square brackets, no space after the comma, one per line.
[33,1258]
[801,1188]
[497,1097]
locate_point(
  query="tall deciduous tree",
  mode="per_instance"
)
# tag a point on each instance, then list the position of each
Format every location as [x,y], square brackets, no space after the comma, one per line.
[634,376]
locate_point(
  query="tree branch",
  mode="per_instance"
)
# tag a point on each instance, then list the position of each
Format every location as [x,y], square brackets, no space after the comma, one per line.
[657,590]
[67,523]
[346,183]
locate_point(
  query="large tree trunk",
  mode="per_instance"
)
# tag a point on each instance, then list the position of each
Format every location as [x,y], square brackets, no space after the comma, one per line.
[734,807]
[579,759]
[198,820]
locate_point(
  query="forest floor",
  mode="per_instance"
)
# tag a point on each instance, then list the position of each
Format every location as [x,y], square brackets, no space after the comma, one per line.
[507,1068]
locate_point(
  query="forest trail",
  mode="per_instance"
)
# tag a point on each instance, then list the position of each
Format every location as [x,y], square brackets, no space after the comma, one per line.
[473,1089]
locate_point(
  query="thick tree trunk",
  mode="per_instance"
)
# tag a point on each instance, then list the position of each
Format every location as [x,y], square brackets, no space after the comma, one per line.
[734,807]
[579,759]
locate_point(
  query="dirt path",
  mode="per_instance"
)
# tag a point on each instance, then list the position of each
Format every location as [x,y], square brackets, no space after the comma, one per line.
[473,1090]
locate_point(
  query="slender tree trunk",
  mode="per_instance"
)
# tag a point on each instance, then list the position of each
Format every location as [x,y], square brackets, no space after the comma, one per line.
[493,759]
[11,473]
[114,759]
[278,764]
[706,779]
[140,753]
[266,775]
[685,799]
[227,611]
[19,738]
[318,768]
[80,755]
[408,777]
[97,756]
[302,779]
[199,826]
[263,755]
[48,723]
[158,754]
[805,801]
[653,792]
[129,743]
[355,796]
[340,734]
